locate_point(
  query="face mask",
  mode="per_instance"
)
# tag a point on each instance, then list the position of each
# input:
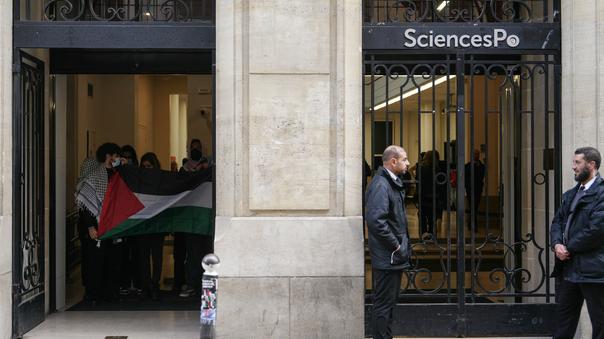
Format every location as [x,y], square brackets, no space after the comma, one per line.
[116,162]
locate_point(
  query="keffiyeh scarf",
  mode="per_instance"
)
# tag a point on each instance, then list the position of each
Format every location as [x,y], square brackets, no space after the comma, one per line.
[91,187]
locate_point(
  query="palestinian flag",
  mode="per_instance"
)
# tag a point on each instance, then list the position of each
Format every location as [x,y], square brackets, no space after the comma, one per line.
[148,200]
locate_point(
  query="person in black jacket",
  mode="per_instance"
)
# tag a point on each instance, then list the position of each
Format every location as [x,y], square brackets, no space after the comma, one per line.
[432,178]
[577,238]
[388,237]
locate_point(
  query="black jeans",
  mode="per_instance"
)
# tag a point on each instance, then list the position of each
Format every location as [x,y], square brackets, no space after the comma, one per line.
[130,261]
[104,266]
[569,297]
[197,246]
[179,254]
[386,288]
[476,205]
[150,247]
[428,217]
[84,250]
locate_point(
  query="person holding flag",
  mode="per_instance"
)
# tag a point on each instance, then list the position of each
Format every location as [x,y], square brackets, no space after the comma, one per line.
[102,266]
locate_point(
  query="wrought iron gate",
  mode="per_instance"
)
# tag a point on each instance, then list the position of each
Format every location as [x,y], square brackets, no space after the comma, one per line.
[29,193]
[482,133]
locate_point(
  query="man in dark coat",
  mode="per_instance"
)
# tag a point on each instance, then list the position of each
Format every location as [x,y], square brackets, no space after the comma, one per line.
[388,236]
[577,238]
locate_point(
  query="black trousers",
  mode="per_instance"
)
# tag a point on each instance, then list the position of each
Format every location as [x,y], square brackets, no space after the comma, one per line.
[104,266]
[129,276]
[179,254]
[428,216]
[475,204]
[84,250]
[150,247]
[197,246]
[569,299]
[386,288]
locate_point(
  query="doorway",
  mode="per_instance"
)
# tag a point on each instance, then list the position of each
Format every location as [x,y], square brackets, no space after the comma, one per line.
[63,115]
[481,135]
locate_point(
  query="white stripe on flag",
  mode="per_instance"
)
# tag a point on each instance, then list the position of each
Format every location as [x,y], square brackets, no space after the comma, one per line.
[201,196]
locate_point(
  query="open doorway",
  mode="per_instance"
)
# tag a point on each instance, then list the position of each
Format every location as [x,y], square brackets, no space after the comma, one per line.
[163,114]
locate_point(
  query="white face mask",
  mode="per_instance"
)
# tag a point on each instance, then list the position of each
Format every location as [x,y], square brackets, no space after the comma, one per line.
[116,162]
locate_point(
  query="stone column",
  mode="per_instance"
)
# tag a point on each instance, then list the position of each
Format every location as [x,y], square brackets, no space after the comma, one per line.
[289,230]
[582,90]
[6,191]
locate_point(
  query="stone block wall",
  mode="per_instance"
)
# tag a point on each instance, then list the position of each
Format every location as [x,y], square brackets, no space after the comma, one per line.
[289,228]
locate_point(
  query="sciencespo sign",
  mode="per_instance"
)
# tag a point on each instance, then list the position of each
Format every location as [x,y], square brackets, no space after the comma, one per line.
[499,37]
[462,37]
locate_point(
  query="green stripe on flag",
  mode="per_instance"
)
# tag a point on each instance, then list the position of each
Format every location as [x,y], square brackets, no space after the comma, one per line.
[186,219]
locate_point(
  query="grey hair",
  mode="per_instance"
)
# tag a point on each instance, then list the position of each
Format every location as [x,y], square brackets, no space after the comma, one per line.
[392,151]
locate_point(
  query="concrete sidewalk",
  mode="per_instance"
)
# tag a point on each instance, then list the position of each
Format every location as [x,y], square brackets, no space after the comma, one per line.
[133,325]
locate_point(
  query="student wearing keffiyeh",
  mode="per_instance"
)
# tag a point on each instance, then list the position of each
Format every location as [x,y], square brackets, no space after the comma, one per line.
[86,168]
[102,260]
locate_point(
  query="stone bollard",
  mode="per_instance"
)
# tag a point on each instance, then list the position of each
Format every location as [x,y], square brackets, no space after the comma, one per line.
[209,289]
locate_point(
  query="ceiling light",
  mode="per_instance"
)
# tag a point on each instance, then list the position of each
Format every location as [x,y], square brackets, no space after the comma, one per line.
[442,5]
[414,91]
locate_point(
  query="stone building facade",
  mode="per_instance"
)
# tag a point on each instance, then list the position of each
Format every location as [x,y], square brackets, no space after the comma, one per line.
[289,226]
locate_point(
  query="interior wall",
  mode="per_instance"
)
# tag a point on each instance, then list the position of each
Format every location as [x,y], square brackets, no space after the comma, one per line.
[163,87]
[115,121]
[486,126]
[416,129]
[199,122]
[144,140]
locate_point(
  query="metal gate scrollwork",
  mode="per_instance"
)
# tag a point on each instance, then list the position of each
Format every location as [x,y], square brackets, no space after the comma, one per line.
[477,129]
[29,195]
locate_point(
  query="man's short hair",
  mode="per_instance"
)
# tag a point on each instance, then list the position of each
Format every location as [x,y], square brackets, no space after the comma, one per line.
[590,154]
[107,148]
[392,151]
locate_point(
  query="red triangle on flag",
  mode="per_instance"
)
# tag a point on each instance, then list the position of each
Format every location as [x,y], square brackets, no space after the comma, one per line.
[119,204]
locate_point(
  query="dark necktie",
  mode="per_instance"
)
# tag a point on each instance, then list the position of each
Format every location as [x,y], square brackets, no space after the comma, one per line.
[573,205]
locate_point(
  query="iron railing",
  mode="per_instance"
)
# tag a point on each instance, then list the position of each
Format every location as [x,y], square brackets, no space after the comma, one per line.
[123,10]
[413,11]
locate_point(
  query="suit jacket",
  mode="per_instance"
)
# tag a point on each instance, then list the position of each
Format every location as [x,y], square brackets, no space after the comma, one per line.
[585,235]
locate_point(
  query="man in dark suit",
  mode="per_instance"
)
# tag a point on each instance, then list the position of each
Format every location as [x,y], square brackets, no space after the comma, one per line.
[388,236]
[577,238]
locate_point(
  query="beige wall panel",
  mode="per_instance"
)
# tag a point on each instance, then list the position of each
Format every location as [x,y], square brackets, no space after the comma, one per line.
[317,305]
[289,137]
[254,308]
[289,36]
[290,246]
[6,305]
[6,187]
[6,254]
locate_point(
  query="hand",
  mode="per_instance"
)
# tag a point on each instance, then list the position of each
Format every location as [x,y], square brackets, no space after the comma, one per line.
[92,233]
[561,252]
